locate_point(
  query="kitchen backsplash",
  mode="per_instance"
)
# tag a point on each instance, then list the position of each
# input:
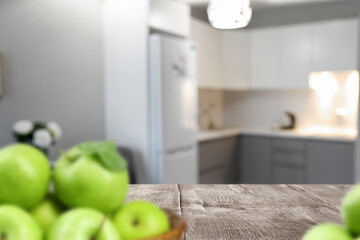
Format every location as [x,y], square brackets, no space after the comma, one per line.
[265,109]
[211,108]
[330,102]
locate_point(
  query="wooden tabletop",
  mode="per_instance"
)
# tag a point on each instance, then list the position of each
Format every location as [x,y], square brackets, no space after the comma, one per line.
[266,212]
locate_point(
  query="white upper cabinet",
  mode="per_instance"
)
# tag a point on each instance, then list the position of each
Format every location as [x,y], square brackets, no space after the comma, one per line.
[210,54]
[265,47]
[334,45]
[236,60]
[170,16]
[276,57]
[295,57]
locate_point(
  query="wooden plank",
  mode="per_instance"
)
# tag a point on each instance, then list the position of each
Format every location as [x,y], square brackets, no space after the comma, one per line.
[257,211]
[326,194]
[164,196]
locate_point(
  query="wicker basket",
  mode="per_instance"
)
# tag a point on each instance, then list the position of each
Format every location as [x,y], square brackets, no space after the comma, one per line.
[178,226]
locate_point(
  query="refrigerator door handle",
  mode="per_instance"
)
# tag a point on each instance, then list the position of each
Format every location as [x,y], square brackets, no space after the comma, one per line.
[180,149]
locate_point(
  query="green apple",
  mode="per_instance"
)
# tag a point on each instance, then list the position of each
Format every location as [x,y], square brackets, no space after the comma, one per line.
[351,209]
[16,224]
[24,175]
[47,212]
[92,175]
[328,232]
[82,224]
[140,219]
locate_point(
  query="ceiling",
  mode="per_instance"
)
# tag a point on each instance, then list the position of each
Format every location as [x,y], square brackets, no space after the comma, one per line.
[269,13]
[264,4]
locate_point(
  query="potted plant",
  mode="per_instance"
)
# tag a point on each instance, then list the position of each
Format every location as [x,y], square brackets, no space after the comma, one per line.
[38,134]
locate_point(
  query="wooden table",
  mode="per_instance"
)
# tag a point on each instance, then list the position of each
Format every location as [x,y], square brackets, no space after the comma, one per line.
[271,212]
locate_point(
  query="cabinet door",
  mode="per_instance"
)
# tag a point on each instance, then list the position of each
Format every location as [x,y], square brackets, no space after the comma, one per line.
[170,16]
[217,176]
[209,42]
[217,158]
[215,153]
[255,160]
[334,45]
[295,57]
[330,163]
[265,58]
[236,59]
[288,175]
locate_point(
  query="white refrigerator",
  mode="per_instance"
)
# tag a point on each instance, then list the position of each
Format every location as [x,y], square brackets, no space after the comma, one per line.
[173,110]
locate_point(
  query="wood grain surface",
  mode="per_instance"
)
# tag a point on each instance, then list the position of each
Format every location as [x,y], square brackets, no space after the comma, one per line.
[266,212]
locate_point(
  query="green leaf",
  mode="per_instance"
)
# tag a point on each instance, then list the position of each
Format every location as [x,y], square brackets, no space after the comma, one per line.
[106,154]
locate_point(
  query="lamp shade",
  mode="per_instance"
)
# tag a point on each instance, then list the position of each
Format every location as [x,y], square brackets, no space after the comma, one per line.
[229,14]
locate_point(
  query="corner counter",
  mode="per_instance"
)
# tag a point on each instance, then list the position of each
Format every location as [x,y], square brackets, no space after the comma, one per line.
[336,136]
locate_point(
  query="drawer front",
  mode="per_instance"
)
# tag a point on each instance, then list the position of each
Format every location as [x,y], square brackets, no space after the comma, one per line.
[282,175]
[289,145]
[289,159]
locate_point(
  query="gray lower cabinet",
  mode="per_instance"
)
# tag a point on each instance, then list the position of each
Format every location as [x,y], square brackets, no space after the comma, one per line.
[215,176]
[288,165]
[265,160]
[330,162]
[217,161]
[255,160]
[287,175]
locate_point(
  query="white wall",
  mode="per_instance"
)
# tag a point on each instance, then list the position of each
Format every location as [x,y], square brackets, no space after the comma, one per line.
[125,47]
[53,66]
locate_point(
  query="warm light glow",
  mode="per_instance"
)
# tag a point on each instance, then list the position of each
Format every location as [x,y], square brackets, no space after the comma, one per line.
[229,14]
[323,82]
[352,91]
[326,86]
[341,112]
[337,96]
[323,130]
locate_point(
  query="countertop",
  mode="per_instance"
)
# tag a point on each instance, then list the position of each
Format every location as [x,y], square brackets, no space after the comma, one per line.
[312,134]
[249,212]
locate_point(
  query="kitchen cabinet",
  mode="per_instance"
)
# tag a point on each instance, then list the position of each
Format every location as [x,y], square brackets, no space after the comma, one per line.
[265,47]
[283,57]
[274,58]
[287,175]
[288,161]
[265,160]
[255,160]
[210,55]
[236,60]
[330,162]
[217,161]
[295,57]
[334,45]
[170,16]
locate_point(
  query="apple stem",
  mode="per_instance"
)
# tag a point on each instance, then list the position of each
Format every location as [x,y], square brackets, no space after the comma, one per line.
[64,154]
[3,236]
[99,229]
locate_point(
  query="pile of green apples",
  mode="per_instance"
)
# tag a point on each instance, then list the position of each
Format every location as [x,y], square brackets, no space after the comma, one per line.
[351,216]
[81,199]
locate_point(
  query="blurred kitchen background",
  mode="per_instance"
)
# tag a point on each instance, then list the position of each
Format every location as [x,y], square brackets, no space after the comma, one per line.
[275,101]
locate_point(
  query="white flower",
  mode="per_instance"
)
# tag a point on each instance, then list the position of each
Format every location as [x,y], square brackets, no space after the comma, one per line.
[42,138]
[23,127]
[55,129]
